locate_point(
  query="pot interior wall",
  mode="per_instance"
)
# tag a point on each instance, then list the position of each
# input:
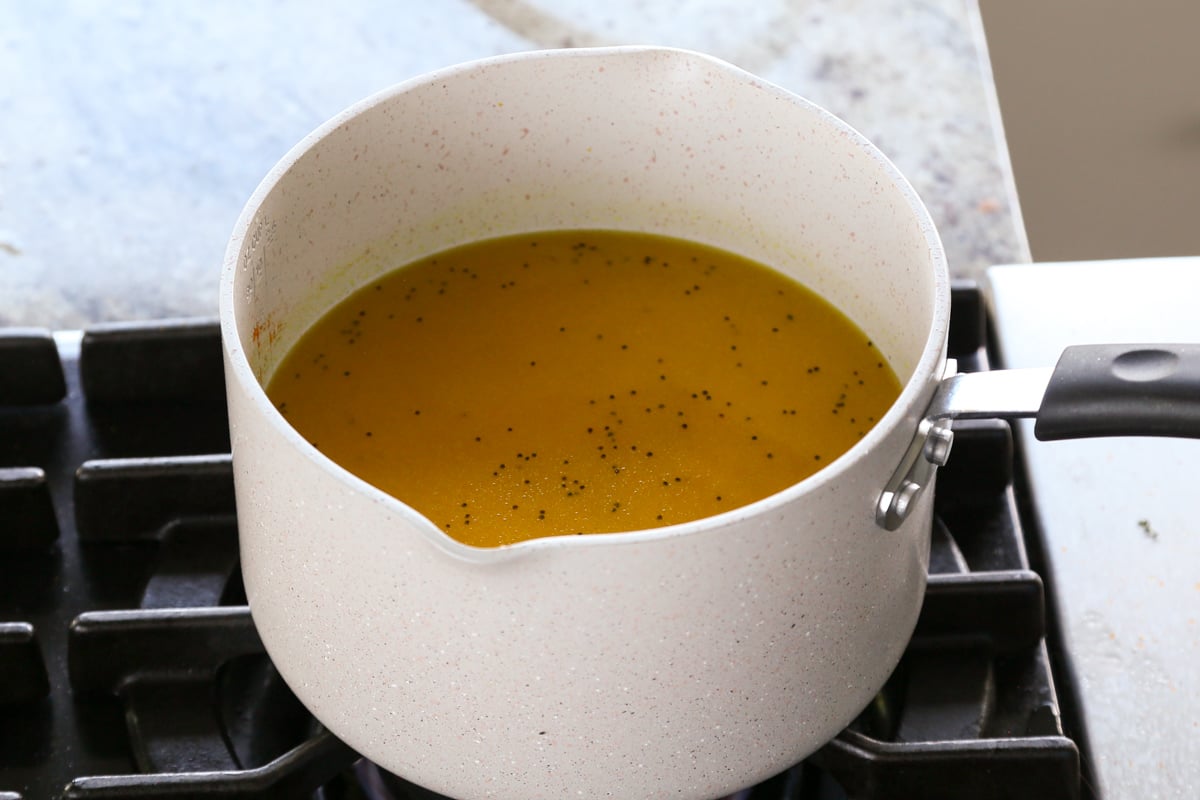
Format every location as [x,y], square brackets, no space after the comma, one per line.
[660,141]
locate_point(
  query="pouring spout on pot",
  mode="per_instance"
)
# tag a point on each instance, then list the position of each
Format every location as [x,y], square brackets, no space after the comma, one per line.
[1094,390]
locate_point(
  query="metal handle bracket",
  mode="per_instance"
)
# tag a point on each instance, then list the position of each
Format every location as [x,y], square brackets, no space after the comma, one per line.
[975,395]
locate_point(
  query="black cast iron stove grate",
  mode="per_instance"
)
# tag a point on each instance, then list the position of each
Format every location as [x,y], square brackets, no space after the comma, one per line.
[129,666]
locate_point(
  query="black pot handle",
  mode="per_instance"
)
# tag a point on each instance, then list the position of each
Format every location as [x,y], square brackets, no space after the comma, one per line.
[1122,390]
[1094,390]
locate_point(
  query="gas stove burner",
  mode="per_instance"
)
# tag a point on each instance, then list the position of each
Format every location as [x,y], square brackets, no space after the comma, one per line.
[796,784]
[132,668]
[378,784]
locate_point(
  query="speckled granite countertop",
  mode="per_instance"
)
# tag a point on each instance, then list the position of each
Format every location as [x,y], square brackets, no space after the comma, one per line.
[134,132]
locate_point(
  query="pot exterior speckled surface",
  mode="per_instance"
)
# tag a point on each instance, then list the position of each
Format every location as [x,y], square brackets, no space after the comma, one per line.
[687,661]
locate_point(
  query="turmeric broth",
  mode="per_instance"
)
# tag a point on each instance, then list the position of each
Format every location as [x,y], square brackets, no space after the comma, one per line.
[582,382]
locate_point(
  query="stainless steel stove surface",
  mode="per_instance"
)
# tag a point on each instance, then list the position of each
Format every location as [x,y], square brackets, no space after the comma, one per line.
[130,668]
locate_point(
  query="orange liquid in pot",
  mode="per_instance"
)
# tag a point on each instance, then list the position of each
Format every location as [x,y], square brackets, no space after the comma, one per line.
[582,382]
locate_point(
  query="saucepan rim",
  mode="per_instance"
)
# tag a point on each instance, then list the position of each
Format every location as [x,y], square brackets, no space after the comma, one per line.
[908,409]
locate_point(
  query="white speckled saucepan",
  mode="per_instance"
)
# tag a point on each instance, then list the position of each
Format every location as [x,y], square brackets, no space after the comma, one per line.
[681,662]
